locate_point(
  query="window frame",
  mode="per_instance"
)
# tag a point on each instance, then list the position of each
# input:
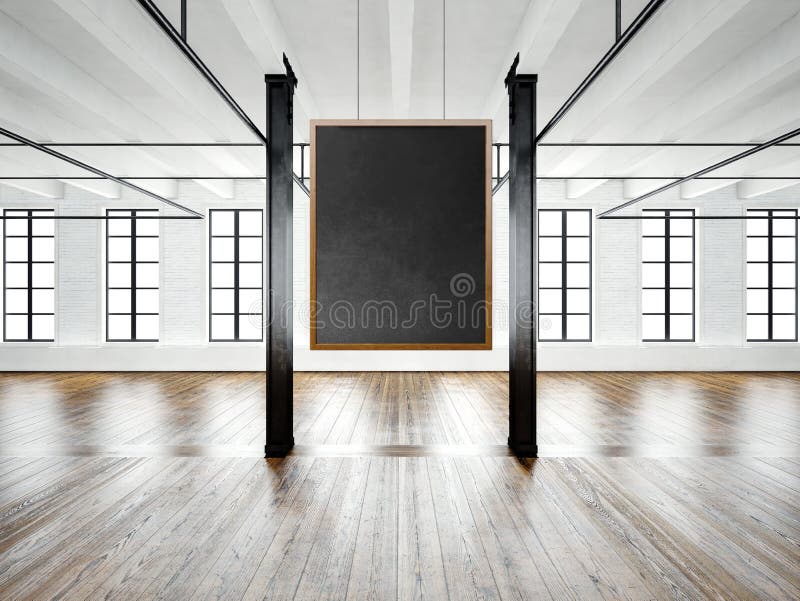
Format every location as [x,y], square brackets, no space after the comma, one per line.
[770,262]
[564,288]
[667,262]
[133,288]
[236,262]
[30,262]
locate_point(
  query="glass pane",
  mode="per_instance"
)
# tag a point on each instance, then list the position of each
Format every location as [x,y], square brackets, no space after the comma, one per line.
[757,327]
[550,301]
[222,249]
[550,327]
[783,327]
[250,301]
[653,327]
[221,275]
[43,327]
[783,301]
[550,275]
[16,275]
[578,249]
[119,301]
[680,327]
[16,327]
[783,249]
[222,327]
[147,227]
[118,227]
[757,301]
[249,327]
[578,223]
[119,327]
[652,227]
[785,225]
[680,249]
[43,275]
[757,275]
[757,227]
[250,275]
[147,275]
[680,227]
[43,301]
[653,275]
[578,275]
[16,227]
[757,249]
[578,301]
[783,275]
[653,301]
[119,275]
[222,223]
[147,327]
[681,301]
[250,249]
[549,249]
[16,249]
[549,223]
[652,249]
[250,223]
[119,249]
[43,249]
[16,301]
[222,301]
[681,275]
[147,249]
[578,327]
[43,227]
[147,301]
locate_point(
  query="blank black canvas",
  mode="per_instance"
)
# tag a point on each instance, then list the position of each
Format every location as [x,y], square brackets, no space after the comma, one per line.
[401,234]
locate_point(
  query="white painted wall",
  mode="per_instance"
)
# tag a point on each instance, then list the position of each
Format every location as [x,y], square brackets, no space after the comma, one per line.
[720,326]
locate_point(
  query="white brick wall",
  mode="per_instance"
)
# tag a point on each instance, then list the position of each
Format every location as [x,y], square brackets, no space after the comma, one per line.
[184,291]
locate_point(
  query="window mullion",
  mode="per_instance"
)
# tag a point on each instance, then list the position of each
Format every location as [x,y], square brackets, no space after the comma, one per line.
[236,216]
[133,275]
[667,283]
[563,275]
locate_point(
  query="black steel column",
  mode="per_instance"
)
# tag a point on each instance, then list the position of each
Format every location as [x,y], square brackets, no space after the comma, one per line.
[280,90]
[522,263]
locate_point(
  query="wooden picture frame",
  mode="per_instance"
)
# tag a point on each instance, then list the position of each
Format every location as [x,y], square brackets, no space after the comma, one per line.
[486,344]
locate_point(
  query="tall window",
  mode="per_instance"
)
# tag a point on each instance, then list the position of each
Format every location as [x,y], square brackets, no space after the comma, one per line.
[668,275]
[236,268]
[132,275]
[772,275]
[565,275]
[29,275]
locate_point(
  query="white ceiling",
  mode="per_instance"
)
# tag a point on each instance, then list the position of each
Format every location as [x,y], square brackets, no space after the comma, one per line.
[101,70]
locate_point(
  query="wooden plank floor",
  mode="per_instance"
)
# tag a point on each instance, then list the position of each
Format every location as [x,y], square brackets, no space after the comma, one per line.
[667,486]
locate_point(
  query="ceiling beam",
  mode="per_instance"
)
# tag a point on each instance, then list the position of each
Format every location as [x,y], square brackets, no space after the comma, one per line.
[101,187]
[695,187]
[755,188]
[401,38]
[45,188]
[579,187]
[224,188]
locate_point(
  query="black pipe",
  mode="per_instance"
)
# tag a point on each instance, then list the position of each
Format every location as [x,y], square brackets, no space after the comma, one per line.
[150,7]
[642,18]
[713,167]
[103,174]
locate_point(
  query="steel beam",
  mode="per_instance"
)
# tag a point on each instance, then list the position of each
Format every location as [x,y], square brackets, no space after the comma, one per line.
[280,437]
[103,174]
[702,172]
[641,19]
[522,261]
